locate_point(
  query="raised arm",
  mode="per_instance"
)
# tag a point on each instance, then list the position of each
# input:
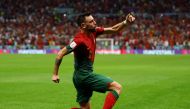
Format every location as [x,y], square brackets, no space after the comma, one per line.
[118,27]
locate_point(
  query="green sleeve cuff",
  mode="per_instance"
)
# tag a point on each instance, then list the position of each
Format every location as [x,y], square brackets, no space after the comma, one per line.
[69,49]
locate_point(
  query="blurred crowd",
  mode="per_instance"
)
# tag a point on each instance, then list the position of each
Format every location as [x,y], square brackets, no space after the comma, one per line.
[43,24]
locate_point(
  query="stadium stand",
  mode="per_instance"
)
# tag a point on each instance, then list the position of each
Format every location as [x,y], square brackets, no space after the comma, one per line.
[42,24]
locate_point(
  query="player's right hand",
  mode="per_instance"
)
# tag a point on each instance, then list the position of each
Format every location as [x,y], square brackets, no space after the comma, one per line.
[130,17]
[55,78]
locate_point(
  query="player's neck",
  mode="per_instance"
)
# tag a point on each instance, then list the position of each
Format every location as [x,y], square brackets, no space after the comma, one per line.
[85,32]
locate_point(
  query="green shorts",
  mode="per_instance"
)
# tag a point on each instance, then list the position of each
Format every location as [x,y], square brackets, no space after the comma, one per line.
[86,83]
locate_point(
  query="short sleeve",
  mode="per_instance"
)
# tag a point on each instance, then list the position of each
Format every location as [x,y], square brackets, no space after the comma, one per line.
[76,42]
[99,31]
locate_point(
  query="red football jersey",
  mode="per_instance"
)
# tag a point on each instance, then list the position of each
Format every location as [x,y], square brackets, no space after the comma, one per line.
[84,46]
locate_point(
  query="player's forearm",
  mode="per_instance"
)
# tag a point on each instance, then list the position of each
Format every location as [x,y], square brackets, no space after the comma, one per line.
[118,27]
[114,29]
[56,66]
[58,60]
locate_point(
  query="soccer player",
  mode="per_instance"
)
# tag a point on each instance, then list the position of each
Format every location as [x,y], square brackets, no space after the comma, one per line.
[83,46]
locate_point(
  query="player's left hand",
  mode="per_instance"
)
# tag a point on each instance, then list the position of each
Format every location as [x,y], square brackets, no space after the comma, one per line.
[55,78]
[130,18]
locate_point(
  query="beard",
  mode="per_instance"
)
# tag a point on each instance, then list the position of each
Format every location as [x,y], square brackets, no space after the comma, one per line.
[91,30]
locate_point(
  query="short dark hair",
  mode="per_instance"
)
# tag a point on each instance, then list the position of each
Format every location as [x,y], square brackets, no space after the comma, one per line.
[81,18]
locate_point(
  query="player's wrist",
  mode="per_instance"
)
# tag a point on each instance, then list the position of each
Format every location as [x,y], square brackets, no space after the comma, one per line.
[125,22]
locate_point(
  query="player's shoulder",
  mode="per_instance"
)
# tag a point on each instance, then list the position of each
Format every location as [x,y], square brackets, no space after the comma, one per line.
[99,28]
[79,37]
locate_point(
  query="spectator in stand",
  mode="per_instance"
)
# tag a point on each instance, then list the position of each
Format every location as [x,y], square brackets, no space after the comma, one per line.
[22,22]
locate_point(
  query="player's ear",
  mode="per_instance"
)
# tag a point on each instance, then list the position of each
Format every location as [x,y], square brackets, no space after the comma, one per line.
[83,25]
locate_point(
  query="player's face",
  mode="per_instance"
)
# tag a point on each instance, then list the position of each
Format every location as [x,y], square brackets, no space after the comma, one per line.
[90,23]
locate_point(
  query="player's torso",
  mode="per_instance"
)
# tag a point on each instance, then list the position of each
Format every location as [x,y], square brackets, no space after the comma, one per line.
[85,52]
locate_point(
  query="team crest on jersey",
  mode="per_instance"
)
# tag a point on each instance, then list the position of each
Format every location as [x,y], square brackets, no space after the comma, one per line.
[73,44]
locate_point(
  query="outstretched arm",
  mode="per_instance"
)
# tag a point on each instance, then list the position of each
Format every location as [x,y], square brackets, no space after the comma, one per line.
[118,27]
[58,60]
